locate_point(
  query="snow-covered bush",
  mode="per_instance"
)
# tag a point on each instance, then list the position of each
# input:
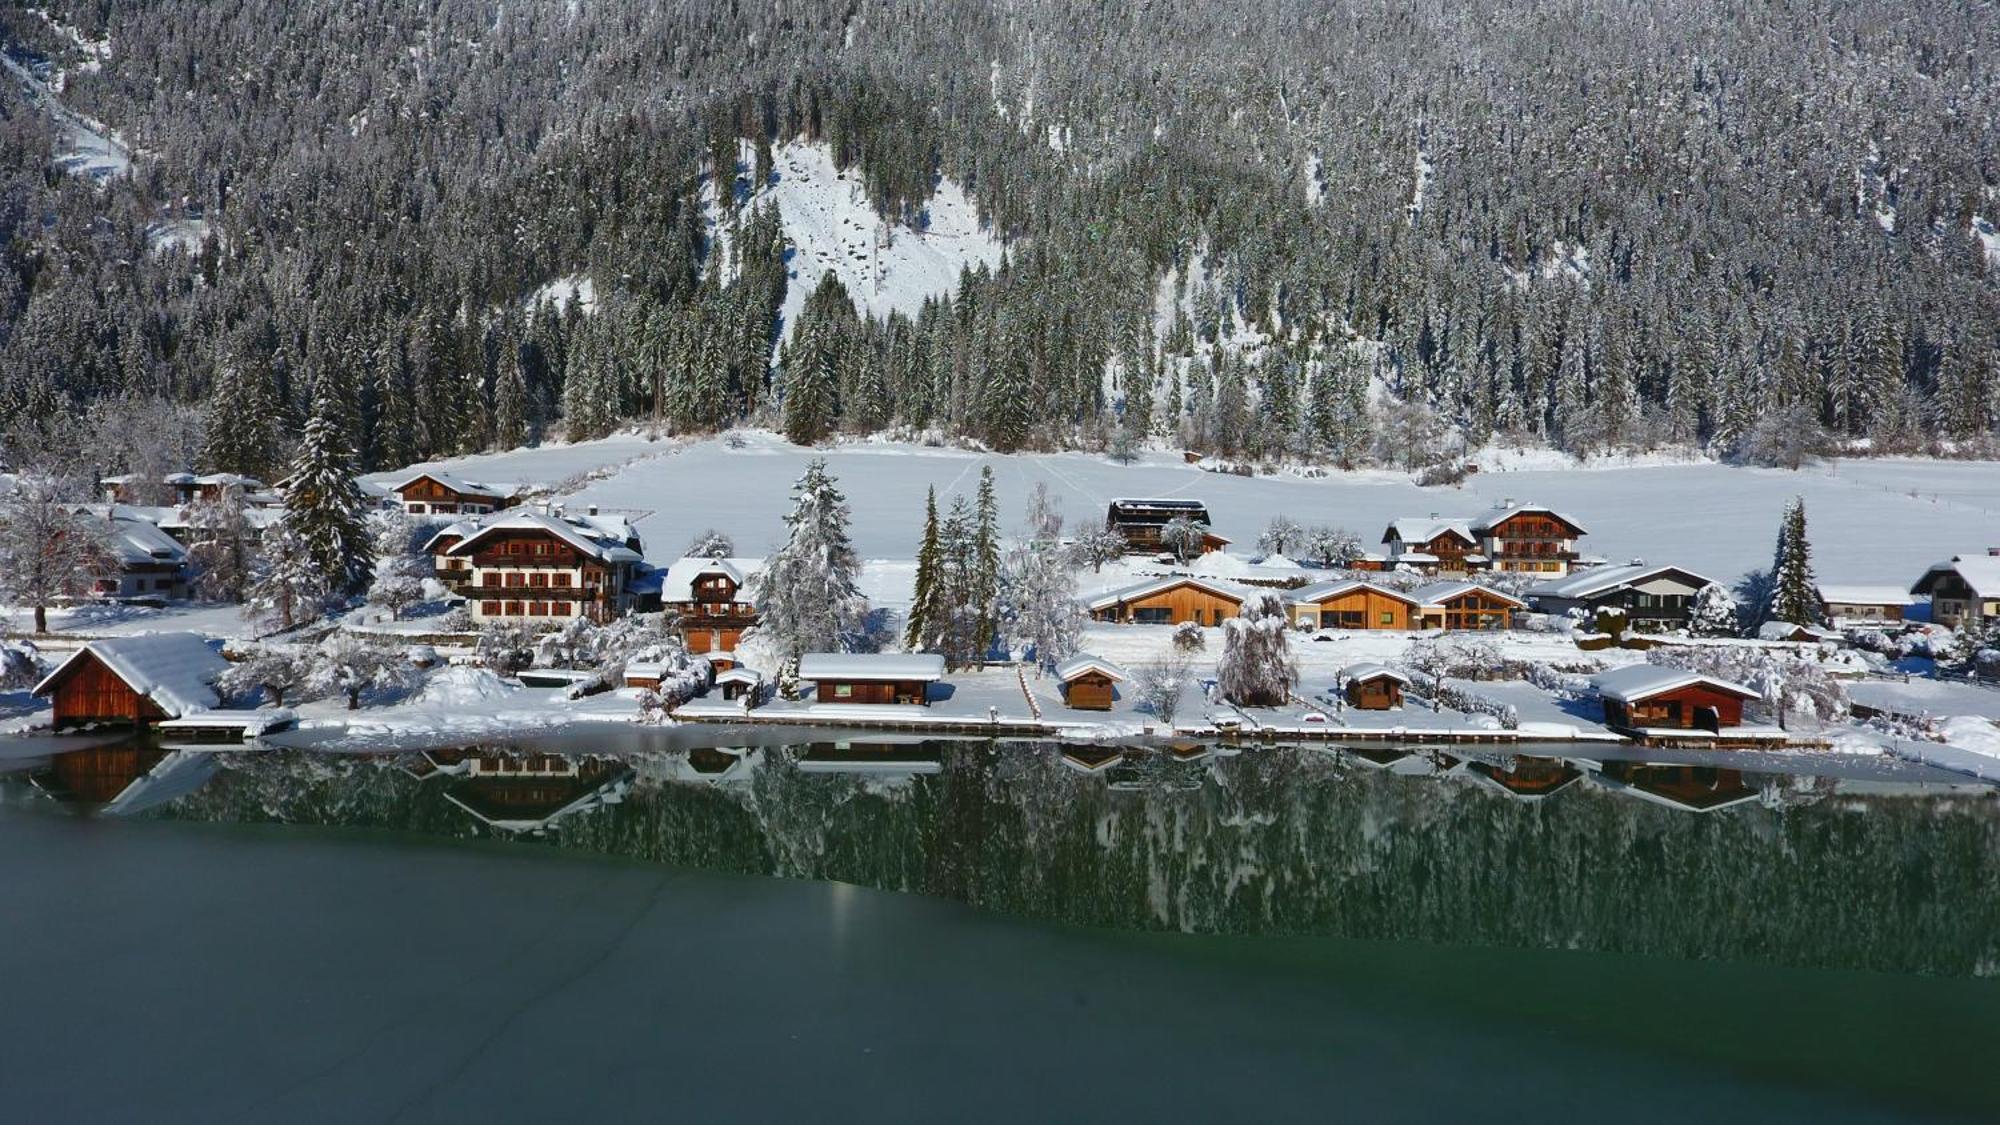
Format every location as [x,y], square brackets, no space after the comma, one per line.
[21,666]
[274,670]
[1715,613]
[1459,655]
[349,664]
[1257,668]
[1158,685]
[1188,637]
[506,647]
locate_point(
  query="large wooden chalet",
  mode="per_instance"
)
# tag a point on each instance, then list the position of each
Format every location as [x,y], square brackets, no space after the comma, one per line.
[1168,601]
[1651,597]
[1964,591]
[1528,539]
[1641,697]
[442,494]
[536,566]
[712,599]
[1141,522]
[137,681]
[1430,545]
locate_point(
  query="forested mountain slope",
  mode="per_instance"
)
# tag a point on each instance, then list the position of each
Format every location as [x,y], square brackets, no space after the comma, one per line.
[1273,228]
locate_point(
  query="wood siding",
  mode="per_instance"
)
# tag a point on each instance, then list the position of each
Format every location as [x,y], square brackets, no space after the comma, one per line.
[1091,691]
[1379,694]
[1680,708]
[1471,610]
[90,692]
[1181,603]
[847,691]
[1356,609]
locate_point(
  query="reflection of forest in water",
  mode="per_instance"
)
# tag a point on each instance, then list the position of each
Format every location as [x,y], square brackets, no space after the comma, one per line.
[1833,867]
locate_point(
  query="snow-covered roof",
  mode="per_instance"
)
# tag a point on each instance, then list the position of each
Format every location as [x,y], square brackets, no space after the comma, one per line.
[457,529]
[1084,662]
[1981,572]
[1370,670]
[1834,594]
[677,583]
[1140,590]
[739,675]
[1423,529]
[586,540]
[177,671]
[457,484]
[1503,512]
[1637,682]
[1325,591]
[229,480]
[1604,579]
[1438,593]
[871,666]
[1786,631]
[135,542]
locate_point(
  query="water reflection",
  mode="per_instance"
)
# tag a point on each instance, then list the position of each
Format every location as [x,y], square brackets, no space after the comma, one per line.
[1811,860]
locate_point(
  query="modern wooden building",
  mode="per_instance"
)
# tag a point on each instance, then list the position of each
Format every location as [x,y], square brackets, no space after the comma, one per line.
[1369,686]
[712,599]
[1464,605]
[1528,539]
[1168,601]
[879,678]
[1650,597]
[1652,697]
[136,681]
[443,494]
[1090,683]
[1431,545]
[1141,521]
[1352,604]
[1863,607]
[538,567]
[1964,590]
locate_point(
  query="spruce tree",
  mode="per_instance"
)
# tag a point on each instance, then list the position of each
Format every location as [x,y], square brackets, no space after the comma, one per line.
[807,592]
[323,505]
[1793,598]
[928,608]
[983,585]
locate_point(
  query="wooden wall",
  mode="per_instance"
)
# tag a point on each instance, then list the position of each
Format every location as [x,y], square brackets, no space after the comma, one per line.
[1371,604]
[1182,603]
[902,691]
[91,692]
[1092,691]
[1375,695]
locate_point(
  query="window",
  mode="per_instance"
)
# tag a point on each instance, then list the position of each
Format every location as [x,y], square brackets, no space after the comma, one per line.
[559,579]
[416,509]
[560,609]
[1388,617]
[1153,615]
[538,579]
[843,691]
[541,548]
[515,578]
[538,609]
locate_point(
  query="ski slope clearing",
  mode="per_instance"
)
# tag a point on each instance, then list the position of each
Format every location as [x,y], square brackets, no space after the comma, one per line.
[1871,521]
[886,267]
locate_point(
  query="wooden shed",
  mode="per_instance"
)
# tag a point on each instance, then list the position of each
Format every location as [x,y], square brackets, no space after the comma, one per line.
[1090,683]
[736,683]
[1352,604]
[1373,687]
[901,677]
[1643,696]
[137,680]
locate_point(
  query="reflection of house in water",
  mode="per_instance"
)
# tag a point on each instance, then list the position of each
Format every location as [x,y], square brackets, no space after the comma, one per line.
[880,756]
[1405,761]
[122,780]
[1526,778]
[1091,759]
[1685,787]
[531,792]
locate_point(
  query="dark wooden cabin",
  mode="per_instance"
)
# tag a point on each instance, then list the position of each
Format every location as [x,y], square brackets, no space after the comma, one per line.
[1141,521]
[878,678]
[1090,684]
[1373,687]
[138,680]
[1644,696]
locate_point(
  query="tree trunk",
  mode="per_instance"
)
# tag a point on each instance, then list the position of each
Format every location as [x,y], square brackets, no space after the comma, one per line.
[41,619]
[354,699]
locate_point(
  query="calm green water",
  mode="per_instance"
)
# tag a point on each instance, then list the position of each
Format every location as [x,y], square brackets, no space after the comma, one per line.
[1805,937]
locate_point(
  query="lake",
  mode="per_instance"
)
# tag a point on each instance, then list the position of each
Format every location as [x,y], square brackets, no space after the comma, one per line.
[621,922]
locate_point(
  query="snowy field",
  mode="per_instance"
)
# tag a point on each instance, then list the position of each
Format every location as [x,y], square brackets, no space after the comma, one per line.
[1871,521]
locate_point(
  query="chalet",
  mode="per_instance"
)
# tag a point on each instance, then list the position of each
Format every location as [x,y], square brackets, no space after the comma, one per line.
[1168,601]
[1465,605]
[1651,696]
[1430,544]
[1352,604]
[1527,539]
[186,488]
[1527,778]
[1863,607]
[138,680]
[1140,522]
[455,571]
[1696,789]
[1964,591]
[442,494]
[712,599]
[1651,597]
[141,562]
[1090,682]
[1369,686]
[518,793]
[536,566]
[903,677]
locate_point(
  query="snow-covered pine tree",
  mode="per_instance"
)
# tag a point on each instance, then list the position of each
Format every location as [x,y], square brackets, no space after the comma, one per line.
[1039,603]
[1184,537]
[1715,613]
[807,592]
[983,577]
[1793,597]
[1257,668]
[928,607]
[510,396]
[323,505]
[220,547]
[287,586]
[710,544]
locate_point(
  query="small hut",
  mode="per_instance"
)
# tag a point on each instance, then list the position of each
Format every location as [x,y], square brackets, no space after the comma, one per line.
[735,683]
[139,680]
[1373,687]
[1090,682]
